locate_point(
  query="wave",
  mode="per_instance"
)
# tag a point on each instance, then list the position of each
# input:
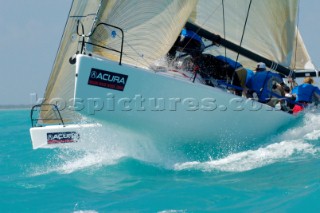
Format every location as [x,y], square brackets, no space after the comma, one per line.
[106,147]
[252,159]
[299,141]
[111,144]
[308,129]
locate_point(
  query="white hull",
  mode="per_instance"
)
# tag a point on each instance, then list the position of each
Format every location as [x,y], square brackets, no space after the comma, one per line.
[166,106]
[61,135]
[159,105]
[169,105]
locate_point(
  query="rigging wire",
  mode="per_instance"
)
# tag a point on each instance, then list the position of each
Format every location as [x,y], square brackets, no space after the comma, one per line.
[244,28]
[224,27]
[242,36]
[202,24]
[224,37]
[96,17]
[81,35]
[296,47]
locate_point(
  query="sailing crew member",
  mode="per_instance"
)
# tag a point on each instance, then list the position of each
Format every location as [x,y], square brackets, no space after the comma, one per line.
[290,99]
[243,78]
[305,93]
[188,42]
[266,83]
[238,75]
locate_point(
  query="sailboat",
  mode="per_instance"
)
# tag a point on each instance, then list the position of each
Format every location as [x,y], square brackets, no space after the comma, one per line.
[111,70]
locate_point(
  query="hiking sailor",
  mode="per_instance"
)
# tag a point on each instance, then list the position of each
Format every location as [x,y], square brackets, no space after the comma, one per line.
[243,78]
[267,85]
[305,93]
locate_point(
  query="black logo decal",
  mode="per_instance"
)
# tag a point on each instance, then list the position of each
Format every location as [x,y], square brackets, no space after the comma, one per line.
[106,79]
[62,137]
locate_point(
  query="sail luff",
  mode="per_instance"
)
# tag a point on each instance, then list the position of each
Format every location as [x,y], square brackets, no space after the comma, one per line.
[301,55]
[60,87]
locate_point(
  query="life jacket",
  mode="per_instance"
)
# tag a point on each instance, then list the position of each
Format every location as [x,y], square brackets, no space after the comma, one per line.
[262,83]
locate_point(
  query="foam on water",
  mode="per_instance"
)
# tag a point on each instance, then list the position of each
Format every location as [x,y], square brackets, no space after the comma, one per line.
[86,211]
[109,144]
[295,142]
[308,130]
[252,159]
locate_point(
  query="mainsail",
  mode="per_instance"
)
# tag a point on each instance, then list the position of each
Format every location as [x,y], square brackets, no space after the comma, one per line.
[270,30]
[150,28]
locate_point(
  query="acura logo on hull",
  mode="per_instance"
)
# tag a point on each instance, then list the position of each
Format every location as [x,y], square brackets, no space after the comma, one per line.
[107,79]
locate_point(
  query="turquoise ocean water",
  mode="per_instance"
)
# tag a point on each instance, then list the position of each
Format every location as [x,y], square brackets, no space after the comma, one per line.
[117,174]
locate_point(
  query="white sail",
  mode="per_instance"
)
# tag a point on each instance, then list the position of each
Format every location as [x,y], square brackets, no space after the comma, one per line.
[270,30]
[301,59]
[60,88]
[150,28]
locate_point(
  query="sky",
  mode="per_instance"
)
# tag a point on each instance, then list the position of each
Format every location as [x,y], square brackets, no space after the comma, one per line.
[31,31]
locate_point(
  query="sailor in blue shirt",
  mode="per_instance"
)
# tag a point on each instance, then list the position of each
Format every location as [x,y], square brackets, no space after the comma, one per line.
[243,78]
[240,76]
[188,42]
[264,83]
[305,93]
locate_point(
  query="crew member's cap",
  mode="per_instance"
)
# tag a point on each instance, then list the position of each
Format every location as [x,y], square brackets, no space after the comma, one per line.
[261,66]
